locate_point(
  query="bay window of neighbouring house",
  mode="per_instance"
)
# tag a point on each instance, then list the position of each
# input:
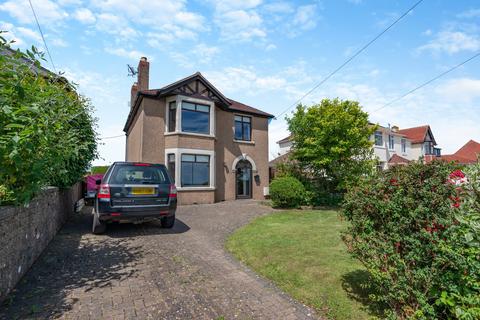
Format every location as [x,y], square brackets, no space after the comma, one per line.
[243,128]
[172,116]
[195,170]
[195,118]
[428,147]
[378,138]
[391,142]
[171,165]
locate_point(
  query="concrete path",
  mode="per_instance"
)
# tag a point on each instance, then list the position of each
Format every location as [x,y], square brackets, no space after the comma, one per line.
[146,272]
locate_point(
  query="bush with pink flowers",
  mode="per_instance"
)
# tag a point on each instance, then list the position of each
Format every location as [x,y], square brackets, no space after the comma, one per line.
[416,229]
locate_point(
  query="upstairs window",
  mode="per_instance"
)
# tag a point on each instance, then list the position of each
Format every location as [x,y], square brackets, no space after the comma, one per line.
[378,138]
[404,146]
[428,148]
[195,118]
[391,142]
[172,116]
[195,170]
[243,128]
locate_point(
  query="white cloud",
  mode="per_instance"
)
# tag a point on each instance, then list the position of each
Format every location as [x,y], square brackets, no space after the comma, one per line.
[84,15]
[452,42]
[472,13]
[461,90]
[305,17]
[129,54]
[165,16]
[48,12]
[270,47]
[240,25]
[116,25]
[57,42]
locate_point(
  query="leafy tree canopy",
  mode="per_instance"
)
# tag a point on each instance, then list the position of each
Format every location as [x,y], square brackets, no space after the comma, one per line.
[331,140]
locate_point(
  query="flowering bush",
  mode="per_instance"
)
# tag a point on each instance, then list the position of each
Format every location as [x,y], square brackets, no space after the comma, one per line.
[287,192]
[416,230]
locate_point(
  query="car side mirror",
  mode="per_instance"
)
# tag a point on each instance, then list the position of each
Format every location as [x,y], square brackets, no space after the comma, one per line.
[98,182]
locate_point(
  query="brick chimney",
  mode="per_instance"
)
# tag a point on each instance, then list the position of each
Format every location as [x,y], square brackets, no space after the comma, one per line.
[133,94]
[143,74]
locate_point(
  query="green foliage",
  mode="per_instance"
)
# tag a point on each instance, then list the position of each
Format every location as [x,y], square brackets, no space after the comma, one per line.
[47,134]
[99,169]
[287,192]
[416,229]
[331,142]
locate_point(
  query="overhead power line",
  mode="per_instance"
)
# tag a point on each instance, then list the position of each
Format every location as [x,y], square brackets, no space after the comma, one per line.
[43,38]
[428,82]
[112,137]
[351,58]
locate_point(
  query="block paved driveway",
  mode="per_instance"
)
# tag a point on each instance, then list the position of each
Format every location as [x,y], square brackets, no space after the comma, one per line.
[145,272]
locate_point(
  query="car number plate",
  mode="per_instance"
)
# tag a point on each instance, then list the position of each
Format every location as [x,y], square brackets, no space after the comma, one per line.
[143,191]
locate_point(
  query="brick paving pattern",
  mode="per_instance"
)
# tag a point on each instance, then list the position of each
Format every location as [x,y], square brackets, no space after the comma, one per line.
[146,272]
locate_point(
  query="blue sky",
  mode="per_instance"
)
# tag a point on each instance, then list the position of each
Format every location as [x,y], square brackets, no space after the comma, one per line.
[267,54]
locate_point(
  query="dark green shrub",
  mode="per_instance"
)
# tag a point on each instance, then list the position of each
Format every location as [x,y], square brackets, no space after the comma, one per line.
[287,192]
[416,230]
[47,134]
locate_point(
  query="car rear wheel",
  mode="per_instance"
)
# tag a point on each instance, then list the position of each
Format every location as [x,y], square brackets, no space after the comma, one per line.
[98,227]
[168,222]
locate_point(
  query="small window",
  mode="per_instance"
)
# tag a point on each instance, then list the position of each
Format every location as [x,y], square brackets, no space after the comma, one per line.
[391,142]
[195,170]
[404,146]
[172,116]
[171,165]
[378,138]
[243,128]
[195,118]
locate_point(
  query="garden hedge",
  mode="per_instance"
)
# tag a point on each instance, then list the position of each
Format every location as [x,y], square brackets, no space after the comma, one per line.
[47,131]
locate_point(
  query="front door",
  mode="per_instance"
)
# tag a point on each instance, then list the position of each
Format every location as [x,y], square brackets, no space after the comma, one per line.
[244,180]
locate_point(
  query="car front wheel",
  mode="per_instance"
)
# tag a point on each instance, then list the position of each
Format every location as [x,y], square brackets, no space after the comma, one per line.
[168,222]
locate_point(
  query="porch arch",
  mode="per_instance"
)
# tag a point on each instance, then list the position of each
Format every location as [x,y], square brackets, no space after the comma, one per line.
[244,156]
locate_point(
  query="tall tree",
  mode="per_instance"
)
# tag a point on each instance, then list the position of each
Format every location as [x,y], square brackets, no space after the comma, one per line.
[331,141]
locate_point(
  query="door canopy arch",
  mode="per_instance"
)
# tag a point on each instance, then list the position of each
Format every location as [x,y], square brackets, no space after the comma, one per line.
[244,156]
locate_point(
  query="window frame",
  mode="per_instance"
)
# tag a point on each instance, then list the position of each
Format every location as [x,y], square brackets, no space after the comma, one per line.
[196,105]
[172,121]
[378,134]
[403,143]
[242,124]
[193,170]
[391,142]
[171,165]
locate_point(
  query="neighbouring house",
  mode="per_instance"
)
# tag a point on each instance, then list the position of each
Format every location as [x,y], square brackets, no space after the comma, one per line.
[468,154]
[391,146]
[215,148]
[422,140]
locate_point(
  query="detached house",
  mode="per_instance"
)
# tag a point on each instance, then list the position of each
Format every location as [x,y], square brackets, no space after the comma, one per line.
[215,148]
[391,146]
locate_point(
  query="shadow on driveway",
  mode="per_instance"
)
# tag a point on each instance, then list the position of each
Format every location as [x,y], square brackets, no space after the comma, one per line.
[77,262]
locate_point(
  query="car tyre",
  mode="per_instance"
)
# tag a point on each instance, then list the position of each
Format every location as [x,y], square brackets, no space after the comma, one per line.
[98,227]
[168,222]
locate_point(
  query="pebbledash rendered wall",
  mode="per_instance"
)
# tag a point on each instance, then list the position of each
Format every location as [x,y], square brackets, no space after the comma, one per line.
[26,231]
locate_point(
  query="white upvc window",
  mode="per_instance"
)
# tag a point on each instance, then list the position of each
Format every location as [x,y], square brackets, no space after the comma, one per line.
[194,168]
[404,145]
[391,142]
[378,138]
[189,116]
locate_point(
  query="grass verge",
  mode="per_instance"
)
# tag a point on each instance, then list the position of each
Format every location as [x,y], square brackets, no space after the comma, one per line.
[302,253]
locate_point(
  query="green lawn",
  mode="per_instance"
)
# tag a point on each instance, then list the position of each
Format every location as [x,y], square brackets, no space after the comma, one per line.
[302,252]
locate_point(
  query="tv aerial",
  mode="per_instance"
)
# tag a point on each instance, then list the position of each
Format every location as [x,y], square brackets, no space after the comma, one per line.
[132,72]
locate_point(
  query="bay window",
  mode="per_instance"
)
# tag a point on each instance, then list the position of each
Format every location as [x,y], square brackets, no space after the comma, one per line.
[172,116]
[378,138]
[195,118]
[171,165]
[391,142]
[195,170]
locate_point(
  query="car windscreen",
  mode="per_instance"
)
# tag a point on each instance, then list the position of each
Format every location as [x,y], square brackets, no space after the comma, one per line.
[132,174]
